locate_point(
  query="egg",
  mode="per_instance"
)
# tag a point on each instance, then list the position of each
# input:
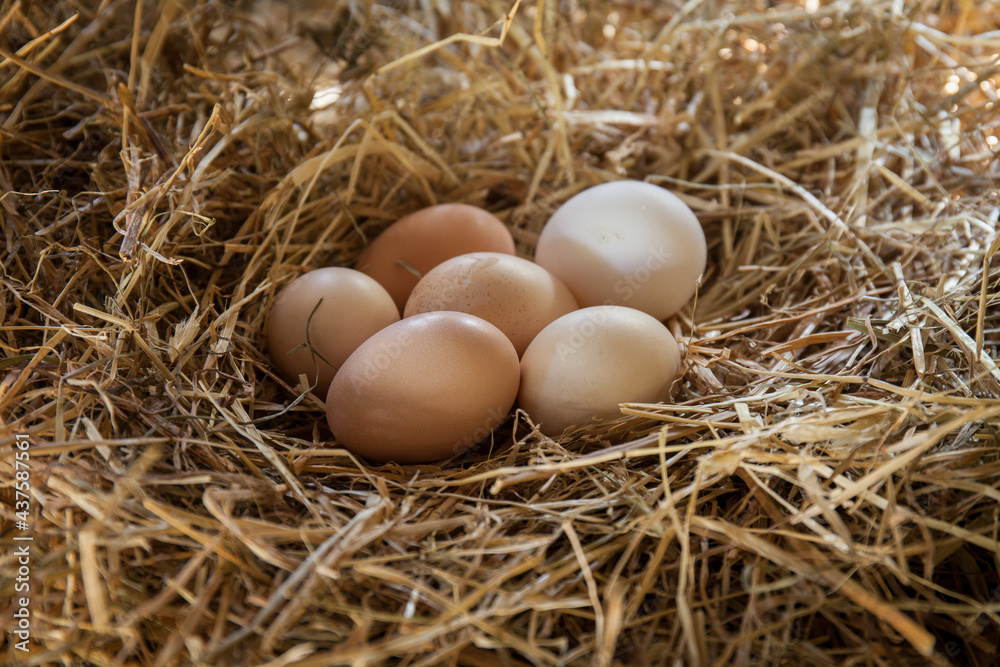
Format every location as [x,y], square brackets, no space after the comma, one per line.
[424,389]
[625,243]
[342,308]
[587,362]
[414,245]
[517,296]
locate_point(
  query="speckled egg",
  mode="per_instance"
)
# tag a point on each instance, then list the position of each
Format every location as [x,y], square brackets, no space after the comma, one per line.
[517,296]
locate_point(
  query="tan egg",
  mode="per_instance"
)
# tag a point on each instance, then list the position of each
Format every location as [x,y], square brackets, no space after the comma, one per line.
[424,389]
[625,243]
[584,364]
[517,296]
[342,307]
[422,240]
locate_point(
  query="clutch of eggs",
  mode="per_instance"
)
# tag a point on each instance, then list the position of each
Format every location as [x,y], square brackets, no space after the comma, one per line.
[567,338]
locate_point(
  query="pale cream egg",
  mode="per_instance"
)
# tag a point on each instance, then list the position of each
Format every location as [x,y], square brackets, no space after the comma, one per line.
[588,362]
[625,243]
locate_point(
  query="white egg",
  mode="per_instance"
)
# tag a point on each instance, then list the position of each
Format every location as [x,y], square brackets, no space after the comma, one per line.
[626,243]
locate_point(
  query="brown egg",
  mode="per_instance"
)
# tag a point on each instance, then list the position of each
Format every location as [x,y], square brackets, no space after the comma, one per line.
[424,389]
[422,240]
[517,296]
[586,363]
[345,306]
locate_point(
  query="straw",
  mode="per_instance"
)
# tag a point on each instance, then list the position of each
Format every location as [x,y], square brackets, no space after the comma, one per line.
[821,489]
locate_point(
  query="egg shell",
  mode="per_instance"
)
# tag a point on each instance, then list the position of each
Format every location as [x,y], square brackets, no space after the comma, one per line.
[626,243]
[516,295]
[424,389]
[346,307]
[586,363]
[424,239]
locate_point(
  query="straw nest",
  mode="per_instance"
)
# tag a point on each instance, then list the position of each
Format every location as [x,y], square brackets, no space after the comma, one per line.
[822,491]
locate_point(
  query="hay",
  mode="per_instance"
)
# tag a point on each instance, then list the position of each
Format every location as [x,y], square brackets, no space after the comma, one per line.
[822,491]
